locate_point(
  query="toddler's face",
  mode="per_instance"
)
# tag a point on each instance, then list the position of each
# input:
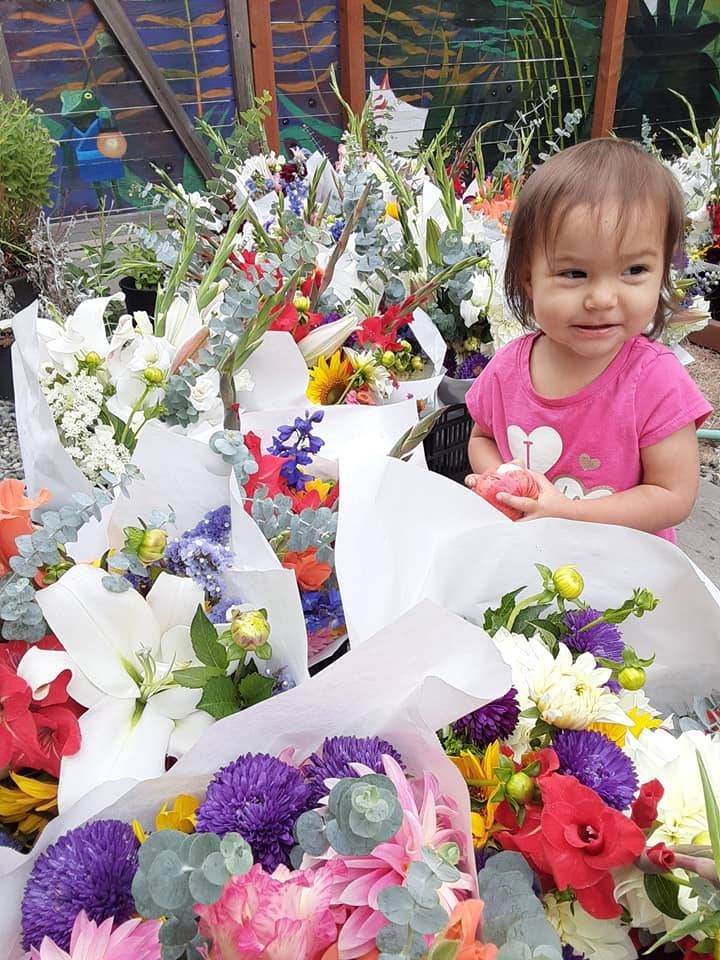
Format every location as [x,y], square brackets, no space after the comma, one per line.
[595,289]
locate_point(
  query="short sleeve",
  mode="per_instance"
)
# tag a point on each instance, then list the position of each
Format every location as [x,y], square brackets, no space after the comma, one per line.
[667,399]
[478,400]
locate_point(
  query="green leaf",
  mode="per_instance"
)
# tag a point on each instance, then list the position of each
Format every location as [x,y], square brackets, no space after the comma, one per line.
[220,698]
[525,616]
[432,242]
[690,924]
[445,950]
[254,688]
[663,894]
[498,617]
[206,645]
[196,677]
[712,810]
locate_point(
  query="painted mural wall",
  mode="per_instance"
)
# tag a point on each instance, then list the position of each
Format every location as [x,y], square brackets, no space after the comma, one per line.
[109,129]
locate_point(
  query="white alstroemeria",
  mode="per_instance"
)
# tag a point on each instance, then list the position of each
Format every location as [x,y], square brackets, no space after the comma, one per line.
[599,939]
[630,893]
[567,694]
[120,649]
[198,202]
[205,392]
[78,335]
[479,300]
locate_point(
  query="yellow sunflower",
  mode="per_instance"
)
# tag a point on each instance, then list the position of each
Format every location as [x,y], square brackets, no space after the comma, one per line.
[329,380]
[481,770]
[30,804]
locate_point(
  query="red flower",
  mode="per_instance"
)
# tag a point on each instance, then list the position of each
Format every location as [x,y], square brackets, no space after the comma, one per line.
[18,734]
[313,282]
[58,736]
[577,839]
[382,331]
[714,213]
[644,809]
[687,945]
[661,856]
[288,319]
[268,474]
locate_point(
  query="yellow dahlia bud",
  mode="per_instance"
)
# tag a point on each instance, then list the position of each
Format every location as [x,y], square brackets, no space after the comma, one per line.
[93,360]
[250,630]
[405,345]
[301,303]
[388,358]
[152,546]
[392,209]
[154,376]
[568,582]
[417,363]
[520,787]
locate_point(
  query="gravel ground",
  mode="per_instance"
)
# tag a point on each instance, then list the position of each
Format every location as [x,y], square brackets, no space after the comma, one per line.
[10,461]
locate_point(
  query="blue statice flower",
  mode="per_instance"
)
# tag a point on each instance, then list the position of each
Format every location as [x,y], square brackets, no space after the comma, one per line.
[219,611]
[336,230]
[297,445]
[201,559]
[215,526]
[599,764]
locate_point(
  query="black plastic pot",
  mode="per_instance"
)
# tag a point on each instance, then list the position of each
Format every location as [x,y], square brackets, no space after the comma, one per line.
[23,295]
[137,299]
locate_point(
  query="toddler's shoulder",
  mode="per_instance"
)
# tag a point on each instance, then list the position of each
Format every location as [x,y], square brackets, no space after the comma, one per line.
[510,354]
[650,358]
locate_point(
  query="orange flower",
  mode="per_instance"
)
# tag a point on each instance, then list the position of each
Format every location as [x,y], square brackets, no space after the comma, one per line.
[310,572]
[15,520]
[464,925]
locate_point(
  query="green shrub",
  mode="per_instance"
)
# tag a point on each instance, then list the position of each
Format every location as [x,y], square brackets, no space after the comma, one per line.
[26,166]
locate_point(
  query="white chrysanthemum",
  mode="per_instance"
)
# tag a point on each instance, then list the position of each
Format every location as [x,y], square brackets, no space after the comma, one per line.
[568,694]
[599,939]
[374,374]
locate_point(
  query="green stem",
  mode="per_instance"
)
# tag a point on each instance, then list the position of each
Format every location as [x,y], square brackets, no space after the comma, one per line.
[134,410]
[524,604]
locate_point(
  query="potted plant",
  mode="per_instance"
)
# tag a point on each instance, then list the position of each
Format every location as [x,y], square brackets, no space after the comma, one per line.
[140,276]
[26,166]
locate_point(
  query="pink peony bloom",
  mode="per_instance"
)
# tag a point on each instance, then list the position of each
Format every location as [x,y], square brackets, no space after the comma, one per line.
[288,915]
[426,823]
[133,940]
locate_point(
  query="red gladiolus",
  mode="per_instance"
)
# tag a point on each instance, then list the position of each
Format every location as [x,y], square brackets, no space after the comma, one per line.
[18,734]
[644,809]
[288,319]
[661,856]
[578,840]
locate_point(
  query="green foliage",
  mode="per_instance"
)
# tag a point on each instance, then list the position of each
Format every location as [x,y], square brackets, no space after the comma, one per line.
[142,265]
[176,871]
[26,166]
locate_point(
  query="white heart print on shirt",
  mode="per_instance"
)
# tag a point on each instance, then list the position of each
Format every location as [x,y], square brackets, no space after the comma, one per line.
[538,450]
[574,490]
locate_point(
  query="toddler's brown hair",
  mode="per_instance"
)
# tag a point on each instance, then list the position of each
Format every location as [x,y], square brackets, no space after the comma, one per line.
[593,173]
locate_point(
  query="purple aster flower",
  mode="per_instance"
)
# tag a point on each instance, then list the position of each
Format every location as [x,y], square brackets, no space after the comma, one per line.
[329,318]
[569,954]
[259,797]
[334,757]
[7,841]
[602,640]
[495,721]
[598,763]
[91,868]
[472,366]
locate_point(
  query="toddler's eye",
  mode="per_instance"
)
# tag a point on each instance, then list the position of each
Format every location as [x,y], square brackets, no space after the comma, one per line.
[636,270]
[573,274]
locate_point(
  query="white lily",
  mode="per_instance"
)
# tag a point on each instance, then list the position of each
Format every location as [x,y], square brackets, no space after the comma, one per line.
[79,334]
[120,649]
[325,340]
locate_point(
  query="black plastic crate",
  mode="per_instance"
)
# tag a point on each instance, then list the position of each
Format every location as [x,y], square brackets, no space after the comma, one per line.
[446,446]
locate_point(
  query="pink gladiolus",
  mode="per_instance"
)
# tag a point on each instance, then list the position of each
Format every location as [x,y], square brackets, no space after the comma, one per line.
[288,915]
[133,940]
[426,823]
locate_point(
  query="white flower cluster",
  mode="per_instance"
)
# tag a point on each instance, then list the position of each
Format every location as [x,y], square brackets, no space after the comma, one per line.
[75,403]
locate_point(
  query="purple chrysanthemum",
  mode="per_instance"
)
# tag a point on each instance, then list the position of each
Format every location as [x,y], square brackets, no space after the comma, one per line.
[259,797]
[495,721]
[334,757]
[598,763]
[91,868]
[569,954]
[602,640]
[472,366]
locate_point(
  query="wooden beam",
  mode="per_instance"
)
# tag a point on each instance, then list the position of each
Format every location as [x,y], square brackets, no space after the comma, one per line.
[264,64]
[7,81]
[117,20]
[352,53]
[609,66]
[240,51]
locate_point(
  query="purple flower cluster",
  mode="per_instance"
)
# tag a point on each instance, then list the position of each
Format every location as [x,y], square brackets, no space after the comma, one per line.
[91,868]
[296,192]
[203,552]
[599,764]
[259,797]
[336,230]
[322,609]
[601,640]
[219,611]
[299,451]
[334,757]
[495,721]
[472,366]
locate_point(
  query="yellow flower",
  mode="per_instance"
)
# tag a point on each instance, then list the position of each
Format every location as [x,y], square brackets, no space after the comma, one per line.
[481,770]
[568,582]
[617,732]
[181,816]
[323,487]
[329,380]
[392,210]
[138,830]
[31,804]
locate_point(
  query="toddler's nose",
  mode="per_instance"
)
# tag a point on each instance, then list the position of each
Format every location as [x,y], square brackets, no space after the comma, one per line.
[601,296]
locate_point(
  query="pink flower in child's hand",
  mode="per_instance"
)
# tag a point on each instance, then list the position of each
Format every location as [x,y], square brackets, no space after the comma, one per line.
[288,915]
[133,940]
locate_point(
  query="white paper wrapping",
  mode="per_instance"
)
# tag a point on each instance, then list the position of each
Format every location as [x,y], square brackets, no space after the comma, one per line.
[414,677]
[279,373]
[45,462]
[406,537]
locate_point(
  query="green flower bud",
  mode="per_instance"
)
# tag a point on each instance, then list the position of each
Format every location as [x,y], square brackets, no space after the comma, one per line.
[93,360]
[631,678]
[520,787]
[250,629]
[154,376]
[405,345]
[301,303]
[387,359]
[417,363]
[568,582]
[152,546]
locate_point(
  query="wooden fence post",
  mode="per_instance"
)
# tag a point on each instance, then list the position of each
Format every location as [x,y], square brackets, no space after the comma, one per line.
[264,63]
[352,53]
[7,80]
[609,66]
[240,52]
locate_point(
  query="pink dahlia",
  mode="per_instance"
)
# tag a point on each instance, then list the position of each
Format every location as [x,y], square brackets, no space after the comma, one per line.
[286,915]
[133,940]
[427,822]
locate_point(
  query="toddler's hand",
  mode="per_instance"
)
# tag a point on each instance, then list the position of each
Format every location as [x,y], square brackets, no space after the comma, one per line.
[550,501]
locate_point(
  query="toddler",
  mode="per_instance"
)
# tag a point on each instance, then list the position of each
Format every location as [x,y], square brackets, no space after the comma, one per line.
[602,415]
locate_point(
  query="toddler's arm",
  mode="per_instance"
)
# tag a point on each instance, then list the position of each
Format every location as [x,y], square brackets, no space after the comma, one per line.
[482,453]
[665,497]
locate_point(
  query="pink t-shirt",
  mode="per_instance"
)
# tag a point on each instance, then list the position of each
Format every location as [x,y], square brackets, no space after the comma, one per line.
[589,443]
